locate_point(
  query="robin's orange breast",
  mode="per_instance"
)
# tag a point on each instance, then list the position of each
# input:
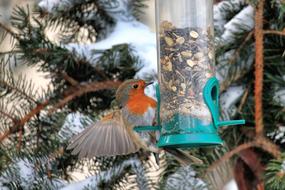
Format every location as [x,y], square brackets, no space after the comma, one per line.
[139,104]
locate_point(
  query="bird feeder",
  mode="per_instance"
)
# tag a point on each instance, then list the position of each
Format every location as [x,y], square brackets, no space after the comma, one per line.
[188,93]
[189,105]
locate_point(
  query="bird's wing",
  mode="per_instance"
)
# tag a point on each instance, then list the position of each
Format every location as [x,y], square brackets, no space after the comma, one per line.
[107,137]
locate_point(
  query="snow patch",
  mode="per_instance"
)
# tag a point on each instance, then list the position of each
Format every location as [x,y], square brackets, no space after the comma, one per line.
[50,5]
[26,170]
[184,178]
[283,166]
[231,96]
[233,27]
[228,99]
[27,175]
[221,12]
[278,134]
[232,185]
[118,10]
[279,97]
[74,124]
[104,175]
[134,33]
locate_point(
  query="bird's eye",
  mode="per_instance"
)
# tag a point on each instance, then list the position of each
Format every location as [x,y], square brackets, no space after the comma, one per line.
[135,86]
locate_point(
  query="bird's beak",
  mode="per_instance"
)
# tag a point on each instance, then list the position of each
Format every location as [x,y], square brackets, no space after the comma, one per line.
[149,83]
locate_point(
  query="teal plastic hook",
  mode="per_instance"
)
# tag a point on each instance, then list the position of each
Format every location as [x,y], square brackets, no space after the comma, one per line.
[211,98]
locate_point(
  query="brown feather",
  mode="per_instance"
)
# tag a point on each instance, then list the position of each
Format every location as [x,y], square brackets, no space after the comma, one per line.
[103,138]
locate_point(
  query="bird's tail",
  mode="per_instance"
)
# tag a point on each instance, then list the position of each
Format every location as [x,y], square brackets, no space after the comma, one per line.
[182,157]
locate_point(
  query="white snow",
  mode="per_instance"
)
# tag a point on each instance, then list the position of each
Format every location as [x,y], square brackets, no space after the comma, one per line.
[118,10]
[134,33]
[231,96]
[283,166]
[151,90]
[49,5]
[278,134]
[225,68]
[245,16]
[232,185]
[221,16]
[106,175]
[26,170]
[224,65]
[74,124]
[184,178]
[228,99]
[279,97]
[25,174]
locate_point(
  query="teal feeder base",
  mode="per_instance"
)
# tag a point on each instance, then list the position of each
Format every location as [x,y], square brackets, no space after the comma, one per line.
[189,140]
[183,131]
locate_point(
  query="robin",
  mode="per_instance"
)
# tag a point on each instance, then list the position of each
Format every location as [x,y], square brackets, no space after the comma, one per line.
[114,135]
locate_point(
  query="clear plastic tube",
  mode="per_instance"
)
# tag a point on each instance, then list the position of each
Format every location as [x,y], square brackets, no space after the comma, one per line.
[185,38]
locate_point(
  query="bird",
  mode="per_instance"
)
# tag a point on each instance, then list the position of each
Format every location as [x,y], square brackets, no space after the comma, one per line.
[113,135]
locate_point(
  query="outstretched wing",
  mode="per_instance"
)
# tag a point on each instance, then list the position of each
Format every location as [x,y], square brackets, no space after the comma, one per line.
[107,137]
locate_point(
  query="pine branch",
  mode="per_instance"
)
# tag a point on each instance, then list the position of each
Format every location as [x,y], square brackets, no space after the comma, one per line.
[234,76]
[75,16]
[282,33]
[259,58]
[260,142]
[83,89]
[73,92]
[6,84]
[237,51]
[8,29]
[24,120]
[249,161]
[137,7]
[20,137]
[243,100]
[10,52]
[275,174]
[14,120]
[230,154]
[69,79]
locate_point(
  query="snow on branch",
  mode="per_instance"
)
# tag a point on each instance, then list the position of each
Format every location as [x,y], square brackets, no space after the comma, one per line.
[278,135]
[222,11]
[229,99]
[105,176]
[185,178]
[26,174]
[240,23]
[134,33]
[117,9]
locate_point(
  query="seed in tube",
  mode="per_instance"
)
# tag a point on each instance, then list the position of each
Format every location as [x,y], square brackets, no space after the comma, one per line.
[191,63]
[180,40]
[169,41]
[186,54]
[168,66]
[194,34]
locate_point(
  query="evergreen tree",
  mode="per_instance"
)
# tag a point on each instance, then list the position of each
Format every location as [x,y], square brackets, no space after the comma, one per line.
[37,124]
